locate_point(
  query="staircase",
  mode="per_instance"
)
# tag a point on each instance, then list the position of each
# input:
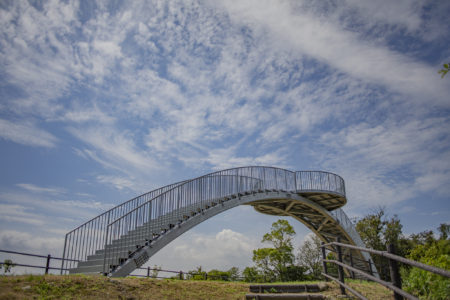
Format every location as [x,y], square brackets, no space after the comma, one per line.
[125,247]
[122,239]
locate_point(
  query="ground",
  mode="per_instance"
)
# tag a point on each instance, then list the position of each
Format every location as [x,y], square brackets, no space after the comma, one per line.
[98,287]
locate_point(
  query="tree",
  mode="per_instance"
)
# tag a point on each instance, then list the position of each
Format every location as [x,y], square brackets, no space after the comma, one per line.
[7,266]
[273,262]
[234,273]
[280,235]
[198,274]
[251,274]
[295,273]
[264,260]
[377,231]
[424,283]
[392,230]
[445,70]
[218,275]
[155,271]
[331,267]
[444,230]
[370,228]
[310,256]
[422,238]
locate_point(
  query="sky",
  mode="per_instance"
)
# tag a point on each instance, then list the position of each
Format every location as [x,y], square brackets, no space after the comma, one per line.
[101,101]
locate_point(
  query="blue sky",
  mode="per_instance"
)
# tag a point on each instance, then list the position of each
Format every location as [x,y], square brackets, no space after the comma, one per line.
[102,101]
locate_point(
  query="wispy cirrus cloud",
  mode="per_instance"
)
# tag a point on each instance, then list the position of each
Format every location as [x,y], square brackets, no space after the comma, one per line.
[21,214]
[145,92]
[34,188]
[349,54]
[116,147]
[366,155]
[26,134]
[116,181]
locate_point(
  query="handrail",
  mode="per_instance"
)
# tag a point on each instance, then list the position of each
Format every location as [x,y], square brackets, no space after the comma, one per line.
[48,257]
[345,286]
[174,203]
[123,204]
[380,281]
[164,204]
[90,235]
[213,174]
[396,280]
[157,197]
[386,254]
[169,205]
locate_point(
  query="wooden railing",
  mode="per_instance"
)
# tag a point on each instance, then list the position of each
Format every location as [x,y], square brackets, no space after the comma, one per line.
[396,282]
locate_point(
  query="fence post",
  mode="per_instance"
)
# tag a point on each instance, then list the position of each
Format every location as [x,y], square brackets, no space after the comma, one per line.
[181,275]
[47,266]
[395,274]
[370,267]
[148,272]
[325,269]
[340,268]
[351,264]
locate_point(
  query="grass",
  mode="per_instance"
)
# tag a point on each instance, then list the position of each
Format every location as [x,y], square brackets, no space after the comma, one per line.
[99,287]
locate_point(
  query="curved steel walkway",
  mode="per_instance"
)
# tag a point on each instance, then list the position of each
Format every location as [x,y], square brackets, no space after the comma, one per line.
[125,237]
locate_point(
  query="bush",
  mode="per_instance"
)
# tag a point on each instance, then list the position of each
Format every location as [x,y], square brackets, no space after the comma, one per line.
[218,275]
[425,284]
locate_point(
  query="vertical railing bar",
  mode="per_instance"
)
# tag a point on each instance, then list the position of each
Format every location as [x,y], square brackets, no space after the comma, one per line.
[88,252]
[64,253]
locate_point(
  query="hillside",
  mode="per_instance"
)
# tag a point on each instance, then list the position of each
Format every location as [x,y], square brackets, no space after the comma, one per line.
[98,287]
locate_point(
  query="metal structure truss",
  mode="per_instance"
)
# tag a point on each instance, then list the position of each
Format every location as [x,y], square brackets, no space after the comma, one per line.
[122,239]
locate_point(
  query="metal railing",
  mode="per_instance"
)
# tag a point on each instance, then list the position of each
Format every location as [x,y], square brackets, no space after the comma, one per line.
[182,275]
[90,236]
[173,206]
[149,213]
[47,266]
[395,284]
[319,180]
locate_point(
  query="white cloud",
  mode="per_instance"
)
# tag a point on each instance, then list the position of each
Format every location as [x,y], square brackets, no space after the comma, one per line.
[34,188]
[83,115]
[118,182]
[416,152]
[341,49]
[117,149]
[222,251]
[21,214]
[32,243]
[37,208]
[403,13]
[155,88]
[227,158]
[26,134]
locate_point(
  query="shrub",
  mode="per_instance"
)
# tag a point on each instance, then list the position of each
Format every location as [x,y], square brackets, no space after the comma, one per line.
[425,284]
